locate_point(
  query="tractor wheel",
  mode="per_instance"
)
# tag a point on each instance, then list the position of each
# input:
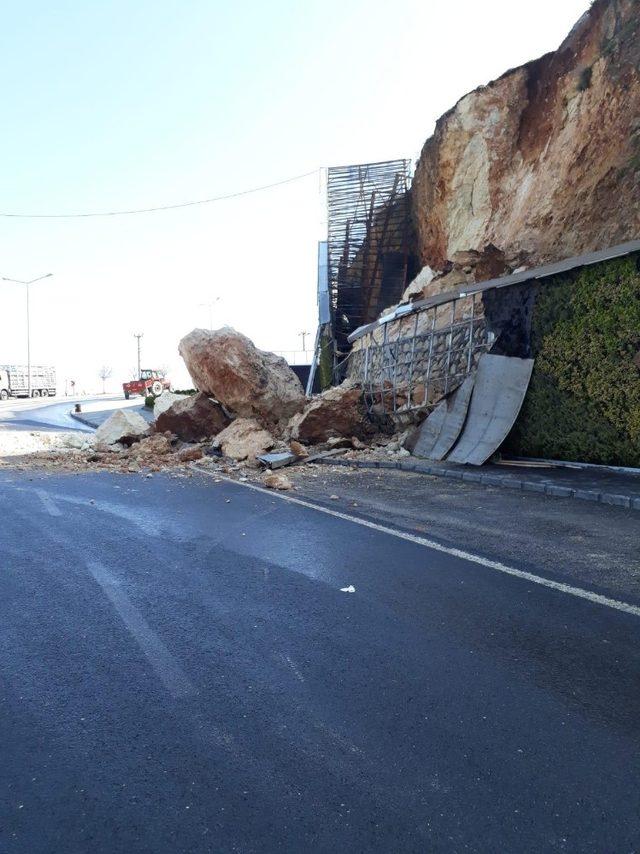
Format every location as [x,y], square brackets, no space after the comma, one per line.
[126,395]
[157,388]
[4,394]
[35,393]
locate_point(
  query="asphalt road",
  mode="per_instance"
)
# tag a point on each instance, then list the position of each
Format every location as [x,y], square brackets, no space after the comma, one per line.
[181,672]
[47,414]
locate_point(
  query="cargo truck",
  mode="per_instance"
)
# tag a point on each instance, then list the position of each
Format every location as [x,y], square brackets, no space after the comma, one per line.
[14,381]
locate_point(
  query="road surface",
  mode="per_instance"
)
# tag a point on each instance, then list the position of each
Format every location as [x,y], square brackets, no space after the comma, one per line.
[181,671]
[45,414]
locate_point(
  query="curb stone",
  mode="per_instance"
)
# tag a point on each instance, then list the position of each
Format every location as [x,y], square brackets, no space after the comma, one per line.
[614,499]
[83,420]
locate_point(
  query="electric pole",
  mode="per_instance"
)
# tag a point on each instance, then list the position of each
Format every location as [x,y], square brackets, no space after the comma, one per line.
[138,335]
[303,335]
[210,306]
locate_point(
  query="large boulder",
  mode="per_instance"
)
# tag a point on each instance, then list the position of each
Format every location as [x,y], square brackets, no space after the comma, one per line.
[123,426]
[247,381]
[193,418]
[244,439]
[166,399]
[337,412]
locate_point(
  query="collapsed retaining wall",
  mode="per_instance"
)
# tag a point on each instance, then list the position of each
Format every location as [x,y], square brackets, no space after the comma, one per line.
[582,327]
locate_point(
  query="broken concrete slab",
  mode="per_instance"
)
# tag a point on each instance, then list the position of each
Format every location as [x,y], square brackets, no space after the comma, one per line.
[194,418]
[123,426]
[322,455]
[248,382]
[277,460]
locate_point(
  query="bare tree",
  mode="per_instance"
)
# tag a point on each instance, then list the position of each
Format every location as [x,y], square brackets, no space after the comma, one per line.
[104,373]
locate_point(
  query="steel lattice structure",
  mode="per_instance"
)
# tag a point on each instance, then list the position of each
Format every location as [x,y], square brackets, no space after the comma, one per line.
[368,243]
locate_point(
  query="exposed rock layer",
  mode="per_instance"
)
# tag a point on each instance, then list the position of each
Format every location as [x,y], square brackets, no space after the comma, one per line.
[541,164]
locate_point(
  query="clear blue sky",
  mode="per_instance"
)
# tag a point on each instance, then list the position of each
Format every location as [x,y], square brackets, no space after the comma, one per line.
[124,104]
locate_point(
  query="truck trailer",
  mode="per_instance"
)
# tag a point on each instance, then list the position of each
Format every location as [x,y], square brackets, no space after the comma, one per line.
[14,381]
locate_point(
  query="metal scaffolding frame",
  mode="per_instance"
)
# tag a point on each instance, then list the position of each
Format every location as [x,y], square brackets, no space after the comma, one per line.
[368,243]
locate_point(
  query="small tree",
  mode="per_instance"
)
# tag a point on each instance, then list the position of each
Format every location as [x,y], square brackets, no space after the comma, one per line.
[104,373]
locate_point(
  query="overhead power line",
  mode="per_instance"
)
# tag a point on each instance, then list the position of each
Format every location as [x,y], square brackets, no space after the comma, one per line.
[160,207]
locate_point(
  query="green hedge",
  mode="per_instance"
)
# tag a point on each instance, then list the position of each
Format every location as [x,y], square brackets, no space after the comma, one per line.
[583,402]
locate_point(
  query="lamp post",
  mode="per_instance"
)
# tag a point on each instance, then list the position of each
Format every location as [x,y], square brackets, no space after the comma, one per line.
[303,335]
[138,335]
[26,284]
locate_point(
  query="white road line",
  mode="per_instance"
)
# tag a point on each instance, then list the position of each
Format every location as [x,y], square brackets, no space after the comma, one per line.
[294,667]
[49,505]
[174,678]
[579,592]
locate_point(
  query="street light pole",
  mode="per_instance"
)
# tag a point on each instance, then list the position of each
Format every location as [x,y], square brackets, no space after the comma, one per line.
[26,284]
[138,335]
[28,345]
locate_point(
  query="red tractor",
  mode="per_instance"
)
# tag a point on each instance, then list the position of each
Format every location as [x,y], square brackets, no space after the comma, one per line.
[150,382]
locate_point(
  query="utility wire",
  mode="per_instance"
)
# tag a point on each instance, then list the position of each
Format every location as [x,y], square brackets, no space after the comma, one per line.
[161,207]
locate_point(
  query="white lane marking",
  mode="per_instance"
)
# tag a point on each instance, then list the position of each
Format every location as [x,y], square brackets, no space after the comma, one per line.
[174,678]
[294,667]
[136,516]
[49,505]
[579,592]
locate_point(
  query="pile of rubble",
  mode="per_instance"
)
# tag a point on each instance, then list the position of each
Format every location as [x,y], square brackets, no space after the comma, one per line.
[250,415]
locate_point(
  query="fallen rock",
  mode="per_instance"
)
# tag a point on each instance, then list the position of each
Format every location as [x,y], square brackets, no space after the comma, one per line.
[190,455]
[79,441]
[166,399]
[244,439]
[247,381]
[339,442]
[123,426]
[277,480]
[298,449]
[337,412]
[193,418]
[415,290]
[152,447]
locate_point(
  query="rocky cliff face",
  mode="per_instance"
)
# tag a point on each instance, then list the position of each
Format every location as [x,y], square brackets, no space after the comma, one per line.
[541,164]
